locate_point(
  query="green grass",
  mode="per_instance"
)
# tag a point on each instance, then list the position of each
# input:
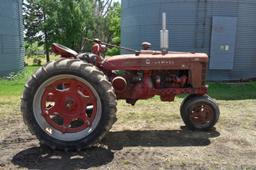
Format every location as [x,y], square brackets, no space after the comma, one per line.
[13,86]
[233,91]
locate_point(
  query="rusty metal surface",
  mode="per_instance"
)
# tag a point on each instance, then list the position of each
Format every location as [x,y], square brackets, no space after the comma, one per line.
[147,61]
[63,51]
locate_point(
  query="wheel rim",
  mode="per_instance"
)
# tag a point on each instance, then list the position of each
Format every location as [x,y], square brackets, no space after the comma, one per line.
[201,115]
[67,107]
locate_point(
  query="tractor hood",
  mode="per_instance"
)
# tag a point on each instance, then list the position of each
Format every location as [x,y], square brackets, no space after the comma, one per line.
[150,60]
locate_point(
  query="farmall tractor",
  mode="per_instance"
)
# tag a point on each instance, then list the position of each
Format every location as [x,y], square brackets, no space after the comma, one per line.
[70,104]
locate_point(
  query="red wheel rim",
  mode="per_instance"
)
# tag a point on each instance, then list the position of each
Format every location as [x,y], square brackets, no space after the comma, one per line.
[201,114]
[69,105]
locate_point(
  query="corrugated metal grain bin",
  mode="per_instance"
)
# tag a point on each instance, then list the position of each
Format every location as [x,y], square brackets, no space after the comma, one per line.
[11,37]
[225,29]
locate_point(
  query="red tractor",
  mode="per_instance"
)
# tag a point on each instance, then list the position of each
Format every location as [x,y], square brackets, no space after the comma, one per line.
[70,104]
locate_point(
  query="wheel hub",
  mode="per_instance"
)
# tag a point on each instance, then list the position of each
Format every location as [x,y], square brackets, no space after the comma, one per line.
[69,103]
[65,105]
[201,114]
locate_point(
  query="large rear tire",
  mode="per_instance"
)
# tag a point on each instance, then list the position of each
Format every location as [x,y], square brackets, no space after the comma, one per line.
[69,105]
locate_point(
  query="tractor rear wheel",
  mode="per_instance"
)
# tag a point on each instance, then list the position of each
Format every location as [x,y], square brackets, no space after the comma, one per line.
[69,105]
[200,112]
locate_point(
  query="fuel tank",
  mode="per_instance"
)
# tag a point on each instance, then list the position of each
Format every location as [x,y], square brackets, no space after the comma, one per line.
[154,60]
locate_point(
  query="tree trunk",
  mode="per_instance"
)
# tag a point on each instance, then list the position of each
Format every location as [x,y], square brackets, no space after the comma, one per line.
[47,53]
[46,42]
[46,46]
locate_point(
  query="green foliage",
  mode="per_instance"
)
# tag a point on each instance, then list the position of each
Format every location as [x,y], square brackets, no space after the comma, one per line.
[33,48]
[33,18]
[39,22]
[75,21]
[67,22]
[113,51]
[114,21]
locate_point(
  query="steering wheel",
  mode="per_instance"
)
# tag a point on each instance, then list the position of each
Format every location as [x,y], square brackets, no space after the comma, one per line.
[63,51]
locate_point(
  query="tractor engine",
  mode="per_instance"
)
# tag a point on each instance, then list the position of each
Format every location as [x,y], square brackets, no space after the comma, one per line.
[126,80]
[160,79]
[133,85]
[169,79]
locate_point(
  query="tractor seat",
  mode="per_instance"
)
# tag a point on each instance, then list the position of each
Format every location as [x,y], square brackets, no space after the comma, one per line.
[63,51]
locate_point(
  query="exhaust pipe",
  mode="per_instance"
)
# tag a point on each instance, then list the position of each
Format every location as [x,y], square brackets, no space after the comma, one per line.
[164,35]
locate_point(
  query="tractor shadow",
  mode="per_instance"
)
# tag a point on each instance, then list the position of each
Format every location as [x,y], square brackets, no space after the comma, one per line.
[159,138]
[44,158]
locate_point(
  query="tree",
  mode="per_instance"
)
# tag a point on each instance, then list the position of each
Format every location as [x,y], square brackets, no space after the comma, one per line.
[114,27]
[69,21]
[73,20]
[39,23]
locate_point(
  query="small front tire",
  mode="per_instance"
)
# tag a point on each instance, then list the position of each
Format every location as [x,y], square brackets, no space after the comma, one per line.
[200,113]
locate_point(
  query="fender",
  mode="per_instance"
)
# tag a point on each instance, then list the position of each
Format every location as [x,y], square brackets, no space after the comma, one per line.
[63,51]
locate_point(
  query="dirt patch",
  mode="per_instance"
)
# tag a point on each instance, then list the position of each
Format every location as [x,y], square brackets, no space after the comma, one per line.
[147,136]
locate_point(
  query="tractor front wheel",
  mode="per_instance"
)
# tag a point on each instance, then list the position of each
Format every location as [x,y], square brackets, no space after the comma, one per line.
[199,112]
[69,105]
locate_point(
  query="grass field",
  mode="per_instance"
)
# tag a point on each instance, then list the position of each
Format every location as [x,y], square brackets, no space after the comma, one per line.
[13,85]
[149,135]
